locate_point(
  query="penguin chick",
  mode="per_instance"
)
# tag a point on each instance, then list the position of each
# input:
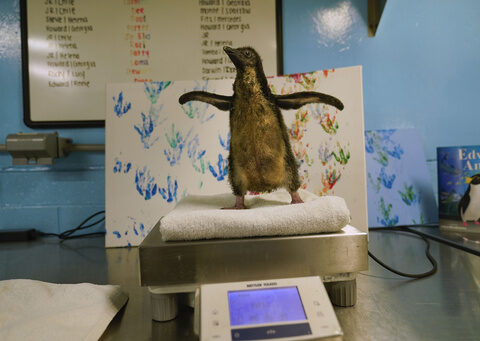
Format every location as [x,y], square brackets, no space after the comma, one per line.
[469,204]
[261,157]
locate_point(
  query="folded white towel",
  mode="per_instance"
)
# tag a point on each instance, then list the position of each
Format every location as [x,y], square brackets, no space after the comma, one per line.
[200,216]
[34,310]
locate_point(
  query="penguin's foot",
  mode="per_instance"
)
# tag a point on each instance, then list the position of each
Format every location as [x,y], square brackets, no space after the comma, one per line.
[476,222]
[464,224]
[296,198]
[239,204]
[236,207]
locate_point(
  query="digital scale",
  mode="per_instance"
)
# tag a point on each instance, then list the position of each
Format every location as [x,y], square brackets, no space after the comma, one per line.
[229,283]
[280,309]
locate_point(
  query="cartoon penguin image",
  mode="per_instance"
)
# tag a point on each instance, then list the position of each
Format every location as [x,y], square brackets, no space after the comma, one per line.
[260,157]
[469,205]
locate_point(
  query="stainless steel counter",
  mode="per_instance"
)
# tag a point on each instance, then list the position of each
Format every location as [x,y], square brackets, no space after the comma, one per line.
[443,307]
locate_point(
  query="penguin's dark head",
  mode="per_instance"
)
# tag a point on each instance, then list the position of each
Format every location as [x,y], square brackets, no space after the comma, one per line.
[243,57]
[474,180]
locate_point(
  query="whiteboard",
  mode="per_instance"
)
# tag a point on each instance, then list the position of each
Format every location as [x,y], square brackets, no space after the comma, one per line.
[73,48]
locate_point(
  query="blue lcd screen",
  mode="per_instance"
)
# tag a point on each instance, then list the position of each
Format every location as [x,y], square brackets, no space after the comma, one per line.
[260,306]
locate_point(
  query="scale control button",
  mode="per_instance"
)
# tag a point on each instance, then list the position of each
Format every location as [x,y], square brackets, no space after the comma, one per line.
[216,337]
[316,303]
[215,312]
[271,332]
[215,323]
[319,314]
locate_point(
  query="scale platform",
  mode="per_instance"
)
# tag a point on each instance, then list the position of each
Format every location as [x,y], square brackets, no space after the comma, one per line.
[183,266]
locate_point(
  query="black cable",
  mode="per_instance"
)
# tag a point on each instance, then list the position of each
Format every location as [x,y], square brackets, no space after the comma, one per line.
[85,235]
[68,233]
[405,228]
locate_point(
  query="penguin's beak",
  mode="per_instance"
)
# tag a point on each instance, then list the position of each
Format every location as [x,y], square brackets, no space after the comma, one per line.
[233,55]
[228,50]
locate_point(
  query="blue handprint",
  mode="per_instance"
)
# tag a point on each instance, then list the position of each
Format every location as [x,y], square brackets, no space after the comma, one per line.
[169,193]
[138,227]
[387,180]
[121,108]
[153,90]
[177,143]
[225,143]
[222,168]
[195,154]
[409,196]
[386,211]
[117,168]
[145,131]
[396,152]
[145,183]
[380,142]
[155,115]
[196,109]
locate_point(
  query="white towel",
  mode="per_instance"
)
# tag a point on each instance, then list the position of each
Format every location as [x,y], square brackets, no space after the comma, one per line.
[34,310]
[201,216]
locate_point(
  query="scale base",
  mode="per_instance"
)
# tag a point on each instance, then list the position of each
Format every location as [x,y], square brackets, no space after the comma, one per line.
[181,267]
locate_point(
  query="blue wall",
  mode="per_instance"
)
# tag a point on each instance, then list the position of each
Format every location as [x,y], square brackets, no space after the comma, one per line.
[420,70]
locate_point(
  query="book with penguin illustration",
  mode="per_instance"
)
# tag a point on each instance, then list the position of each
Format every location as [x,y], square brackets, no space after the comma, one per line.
[459,188]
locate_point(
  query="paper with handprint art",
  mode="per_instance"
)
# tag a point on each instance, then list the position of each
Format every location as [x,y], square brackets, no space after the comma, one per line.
[399,188]
[159,151]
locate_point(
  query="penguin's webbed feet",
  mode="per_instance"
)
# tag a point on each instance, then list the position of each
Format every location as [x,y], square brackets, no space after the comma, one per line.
[296,198]
[239,204]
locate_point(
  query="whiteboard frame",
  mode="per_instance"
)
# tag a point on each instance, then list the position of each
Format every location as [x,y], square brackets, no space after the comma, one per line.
[74,123]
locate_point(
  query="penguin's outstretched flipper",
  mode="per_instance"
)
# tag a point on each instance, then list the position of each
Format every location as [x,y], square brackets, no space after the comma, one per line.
[298,99]
[219,101]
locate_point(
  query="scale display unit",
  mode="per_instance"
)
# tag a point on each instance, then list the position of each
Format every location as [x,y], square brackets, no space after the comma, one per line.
[280,309]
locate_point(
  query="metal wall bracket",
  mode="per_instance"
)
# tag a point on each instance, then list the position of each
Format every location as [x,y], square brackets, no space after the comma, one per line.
[36,148]
[42,148]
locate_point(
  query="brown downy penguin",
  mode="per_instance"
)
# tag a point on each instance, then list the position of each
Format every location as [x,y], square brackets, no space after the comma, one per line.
[260,158]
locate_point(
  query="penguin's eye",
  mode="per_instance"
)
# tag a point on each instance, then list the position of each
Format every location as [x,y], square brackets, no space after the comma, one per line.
[247,54]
